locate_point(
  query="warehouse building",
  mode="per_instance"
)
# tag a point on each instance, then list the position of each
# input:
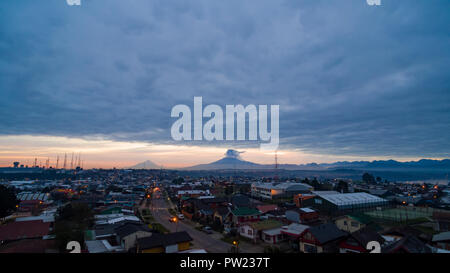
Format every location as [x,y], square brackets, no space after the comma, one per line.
[332,202]
[278,190]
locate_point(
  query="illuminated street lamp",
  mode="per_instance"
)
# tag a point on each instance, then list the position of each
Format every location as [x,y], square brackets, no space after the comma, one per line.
[175,220]
[236,245]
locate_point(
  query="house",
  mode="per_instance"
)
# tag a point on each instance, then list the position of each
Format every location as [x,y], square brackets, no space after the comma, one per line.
[164,243]
[192,193]
[273,236]
[383,193]
[441,220]
[254,230]
[299,199]
[408,244]
[302,215]
[442,240]
[277,215]
[242,215]
[101,246]
[351,223]
[112,210]
[294,230]
[398,233]
[323,238]
[240,201]
[292,233]
[128,234]
[36,229]
[357,241]
[266,208]
[221,214]
[30,246]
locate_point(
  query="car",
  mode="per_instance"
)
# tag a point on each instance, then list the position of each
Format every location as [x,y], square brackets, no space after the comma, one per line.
[207,229]
[180,216]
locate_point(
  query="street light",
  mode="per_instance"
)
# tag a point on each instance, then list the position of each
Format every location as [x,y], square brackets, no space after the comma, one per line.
[175,220]
[236,245]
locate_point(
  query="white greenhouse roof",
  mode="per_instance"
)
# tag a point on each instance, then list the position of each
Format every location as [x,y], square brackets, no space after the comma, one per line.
[342,199]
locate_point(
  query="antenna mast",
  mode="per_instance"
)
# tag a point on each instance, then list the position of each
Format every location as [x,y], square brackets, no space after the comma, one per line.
[65,161]
[276,165]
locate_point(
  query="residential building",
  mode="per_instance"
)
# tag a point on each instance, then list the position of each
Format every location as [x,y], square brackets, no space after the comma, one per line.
[323,238]
[357,241]
[128,234]
[278,190]
[164,243]
[243,215]
[351,223]
[253,230]
[442,240]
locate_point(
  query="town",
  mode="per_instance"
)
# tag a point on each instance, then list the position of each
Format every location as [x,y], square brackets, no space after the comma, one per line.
[169,211]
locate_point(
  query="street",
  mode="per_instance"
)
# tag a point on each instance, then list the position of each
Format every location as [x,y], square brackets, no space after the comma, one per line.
[201,239]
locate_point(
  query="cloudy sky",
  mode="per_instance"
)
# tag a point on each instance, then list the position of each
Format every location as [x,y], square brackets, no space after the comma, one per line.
[353,81]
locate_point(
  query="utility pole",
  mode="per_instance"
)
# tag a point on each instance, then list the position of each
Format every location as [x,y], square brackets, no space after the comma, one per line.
[65,161]
[276,166]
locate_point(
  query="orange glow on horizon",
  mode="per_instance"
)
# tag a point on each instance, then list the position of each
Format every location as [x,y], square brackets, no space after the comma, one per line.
[101,153]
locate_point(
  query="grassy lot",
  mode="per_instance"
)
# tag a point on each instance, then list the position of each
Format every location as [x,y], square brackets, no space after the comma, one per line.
[399,215]
[158,227]
[230,239]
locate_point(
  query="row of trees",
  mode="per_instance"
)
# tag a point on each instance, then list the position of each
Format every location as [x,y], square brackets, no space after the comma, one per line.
[71,222]
[8,201]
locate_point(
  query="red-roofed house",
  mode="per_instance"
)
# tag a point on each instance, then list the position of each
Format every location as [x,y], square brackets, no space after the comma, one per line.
[24,230]
[266,208]
[29,246]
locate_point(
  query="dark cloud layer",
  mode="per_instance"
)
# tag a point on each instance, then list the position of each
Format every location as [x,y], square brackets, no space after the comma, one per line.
[350,78]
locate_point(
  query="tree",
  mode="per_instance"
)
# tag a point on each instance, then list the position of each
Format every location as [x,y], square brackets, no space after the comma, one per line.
[8,201]
[368,178]
[342,186]
[229,190]
[71,222]
[178,180]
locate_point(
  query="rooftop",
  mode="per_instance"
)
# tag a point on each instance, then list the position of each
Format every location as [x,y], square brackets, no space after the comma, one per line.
[342,199]
[163,240]
[245,211]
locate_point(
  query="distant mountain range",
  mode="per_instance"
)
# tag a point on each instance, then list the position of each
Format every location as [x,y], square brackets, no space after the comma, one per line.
[148,165]
[237,163]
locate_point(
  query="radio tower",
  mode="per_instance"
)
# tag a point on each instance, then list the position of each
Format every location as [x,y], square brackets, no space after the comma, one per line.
[276,166]
[71,162]
[57,161]
[35,162]
[47,163]
[65,161]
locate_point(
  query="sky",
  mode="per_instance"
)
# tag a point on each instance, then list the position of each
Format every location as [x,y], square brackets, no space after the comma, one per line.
[353,81]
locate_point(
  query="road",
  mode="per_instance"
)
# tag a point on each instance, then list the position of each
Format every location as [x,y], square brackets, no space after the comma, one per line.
[201,239]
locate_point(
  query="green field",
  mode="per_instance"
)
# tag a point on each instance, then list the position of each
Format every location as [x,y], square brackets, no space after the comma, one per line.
[401,214]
